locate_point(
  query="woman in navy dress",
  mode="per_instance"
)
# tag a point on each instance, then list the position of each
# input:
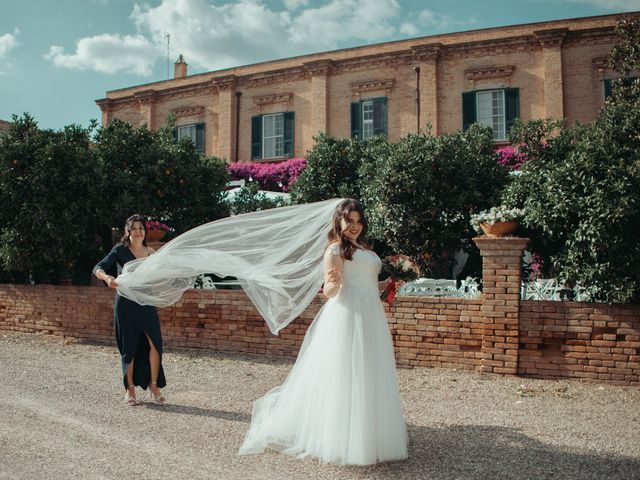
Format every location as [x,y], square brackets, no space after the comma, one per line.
[137,327]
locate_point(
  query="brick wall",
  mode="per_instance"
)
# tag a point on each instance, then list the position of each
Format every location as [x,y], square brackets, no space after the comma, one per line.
[497,333]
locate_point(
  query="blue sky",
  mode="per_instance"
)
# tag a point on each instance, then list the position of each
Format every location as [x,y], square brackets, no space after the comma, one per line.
[58,57]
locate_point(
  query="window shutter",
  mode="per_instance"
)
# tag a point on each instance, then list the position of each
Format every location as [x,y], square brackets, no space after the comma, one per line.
[289,134]
[380,116]
[468,109]
[175,134]
[256,137]
[356,120]
[607,88]
[512,106]
[200,137]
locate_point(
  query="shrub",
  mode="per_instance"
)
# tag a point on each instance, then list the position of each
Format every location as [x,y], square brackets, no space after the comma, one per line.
[332,169]
[582,192]
[421,192]
[144,171]
[249,199]
[50,203]
[275,177]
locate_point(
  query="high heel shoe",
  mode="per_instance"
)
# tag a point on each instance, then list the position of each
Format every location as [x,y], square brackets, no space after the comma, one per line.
[160,398]
[130,399]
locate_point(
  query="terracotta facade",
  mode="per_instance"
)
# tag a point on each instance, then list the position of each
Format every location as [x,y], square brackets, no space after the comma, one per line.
[558,69]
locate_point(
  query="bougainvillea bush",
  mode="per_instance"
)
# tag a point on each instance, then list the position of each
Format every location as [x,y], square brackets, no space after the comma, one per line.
[275,177]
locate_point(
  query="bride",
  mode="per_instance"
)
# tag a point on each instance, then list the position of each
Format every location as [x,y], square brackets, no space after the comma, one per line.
[340,403]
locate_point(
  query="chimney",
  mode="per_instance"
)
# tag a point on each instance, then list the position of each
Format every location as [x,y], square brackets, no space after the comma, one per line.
[180,68]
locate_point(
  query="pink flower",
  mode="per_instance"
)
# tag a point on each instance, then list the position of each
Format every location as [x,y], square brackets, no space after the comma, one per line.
[270,176]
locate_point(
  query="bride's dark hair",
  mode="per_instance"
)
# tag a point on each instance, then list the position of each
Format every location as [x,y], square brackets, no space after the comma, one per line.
[336,234]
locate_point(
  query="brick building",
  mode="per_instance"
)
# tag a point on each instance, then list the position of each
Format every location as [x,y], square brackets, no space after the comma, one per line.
[272,110]
[4,127]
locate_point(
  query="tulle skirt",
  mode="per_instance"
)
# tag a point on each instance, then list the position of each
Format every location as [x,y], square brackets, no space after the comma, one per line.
[340,403]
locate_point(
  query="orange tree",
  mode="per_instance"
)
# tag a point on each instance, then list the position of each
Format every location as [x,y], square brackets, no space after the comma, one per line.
[49,200]
[144,171]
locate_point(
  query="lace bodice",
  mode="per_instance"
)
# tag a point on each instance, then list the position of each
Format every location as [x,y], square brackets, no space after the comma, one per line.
[362,270]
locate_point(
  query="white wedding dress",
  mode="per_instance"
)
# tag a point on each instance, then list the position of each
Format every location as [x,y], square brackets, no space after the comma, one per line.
[340,403]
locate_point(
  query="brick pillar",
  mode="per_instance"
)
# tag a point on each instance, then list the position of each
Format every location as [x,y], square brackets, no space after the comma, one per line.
[427,55]
[105,108]
[551,41]
[227,115]
[320,71]
[147,107]
[501,273]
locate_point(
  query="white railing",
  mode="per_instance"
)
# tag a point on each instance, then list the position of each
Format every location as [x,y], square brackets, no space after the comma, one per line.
[431,287]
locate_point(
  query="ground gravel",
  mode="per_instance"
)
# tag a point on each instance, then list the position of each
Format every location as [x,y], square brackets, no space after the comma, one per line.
[62,416]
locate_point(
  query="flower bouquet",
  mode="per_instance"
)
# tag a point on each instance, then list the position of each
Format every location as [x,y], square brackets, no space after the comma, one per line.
[399,268]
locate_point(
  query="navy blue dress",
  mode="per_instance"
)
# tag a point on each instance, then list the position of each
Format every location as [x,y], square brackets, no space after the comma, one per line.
[132,321]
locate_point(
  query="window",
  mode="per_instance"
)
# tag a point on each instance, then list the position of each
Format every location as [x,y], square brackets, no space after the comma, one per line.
[195,132]
[494,108]
[369,118]
[608,84]
[272,136]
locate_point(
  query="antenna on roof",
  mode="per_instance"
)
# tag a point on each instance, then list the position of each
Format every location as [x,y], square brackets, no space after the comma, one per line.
[168,37]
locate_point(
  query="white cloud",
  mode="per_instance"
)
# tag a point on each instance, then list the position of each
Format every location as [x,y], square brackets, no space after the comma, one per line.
[8,42]
[293,4]
[247,31]
[109,54]
[214,36]
[409,29]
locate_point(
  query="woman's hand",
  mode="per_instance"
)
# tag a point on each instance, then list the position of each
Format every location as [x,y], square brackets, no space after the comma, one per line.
[111,282]
[334,276]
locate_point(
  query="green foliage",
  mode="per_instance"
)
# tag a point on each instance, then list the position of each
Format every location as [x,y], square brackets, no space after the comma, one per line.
[421,193]
[250,199]
[62,191]
[332,169]
[50,202]
[582,194]
[144,171]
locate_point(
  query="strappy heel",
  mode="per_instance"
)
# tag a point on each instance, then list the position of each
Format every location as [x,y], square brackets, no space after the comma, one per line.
[159,399]
[130,399]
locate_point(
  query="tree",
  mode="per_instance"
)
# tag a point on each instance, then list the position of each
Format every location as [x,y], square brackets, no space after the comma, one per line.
[420,194]
[50,202]
[582,192]
[144,171]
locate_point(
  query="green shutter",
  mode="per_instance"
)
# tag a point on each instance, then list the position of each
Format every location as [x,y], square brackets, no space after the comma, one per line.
[512,106]
[289,134]
[607,88]
[175,134]
[200,137]
[356,120]
[380,116]
[468,109]
[256,137]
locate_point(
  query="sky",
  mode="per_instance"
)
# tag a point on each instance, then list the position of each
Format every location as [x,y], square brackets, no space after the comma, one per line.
[58,57]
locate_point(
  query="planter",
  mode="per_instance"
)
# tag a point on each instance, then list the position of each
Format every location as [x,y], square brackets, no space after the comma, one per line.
[499,229]
[155,235]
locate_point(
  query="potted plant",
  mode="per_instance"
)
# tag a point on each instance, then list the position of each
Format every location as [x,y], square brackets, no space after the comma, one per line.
[497,221]
[156,230]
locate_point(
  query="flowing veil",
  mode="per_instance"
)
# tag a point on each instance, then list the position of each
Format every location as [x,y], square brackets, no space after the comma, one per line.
[275,254]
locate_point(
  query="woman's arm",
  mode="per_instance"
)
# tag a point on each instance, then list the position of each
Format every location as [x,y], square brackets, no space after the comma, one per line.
[107,262]
[333,264]
[383,284]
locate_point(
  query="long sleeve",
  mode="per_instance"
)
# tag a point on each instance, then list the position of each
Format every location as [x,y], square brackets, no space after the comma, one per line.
[107,262]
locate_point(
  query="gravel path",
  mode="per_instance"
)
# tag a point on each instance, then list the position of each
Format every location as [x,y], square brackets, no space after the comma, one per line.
[62,416]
